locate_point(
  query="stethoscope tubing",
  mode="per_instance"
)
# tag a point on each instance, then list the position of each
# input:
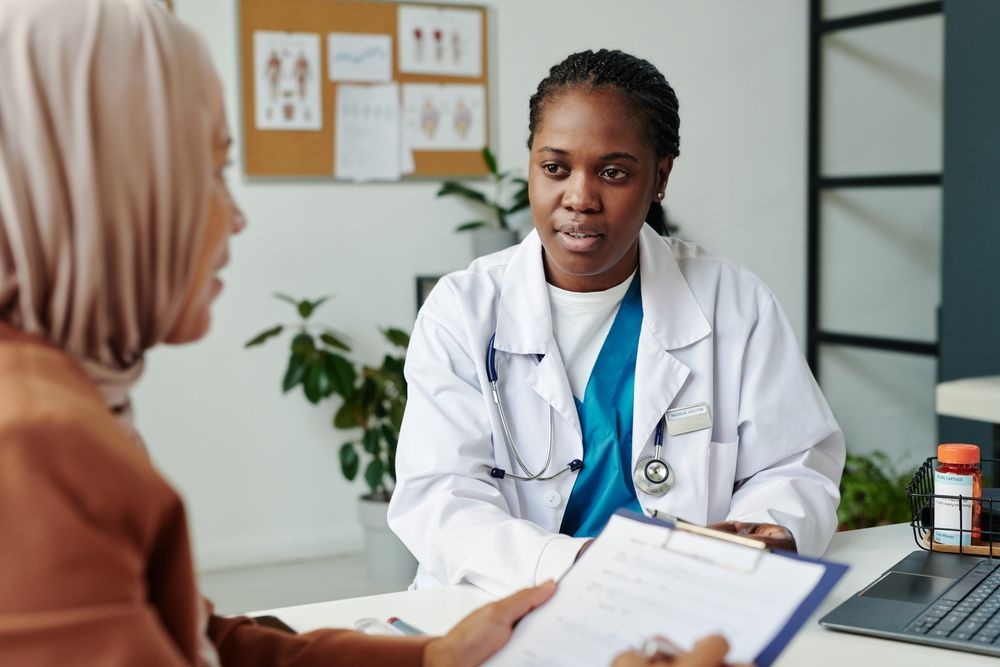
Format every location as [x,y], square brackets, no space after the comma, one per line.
[493,378]
[574,465]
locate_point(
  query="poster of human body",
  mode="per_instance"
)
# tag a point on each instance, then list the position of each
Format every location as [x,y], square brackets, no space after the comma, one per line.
[446,42]
[287,76]
[444,117]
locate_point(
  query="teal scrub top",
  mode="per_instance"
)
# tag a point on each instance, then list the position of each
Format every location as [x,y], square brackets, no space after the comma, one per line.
[604,485]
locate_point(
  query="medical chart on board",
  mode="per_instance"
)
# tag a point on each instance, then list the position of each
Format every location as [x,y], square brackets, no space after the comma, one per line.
[368,132]
[446,42]
[638,580]
[442,117]
[359,57]
[287,74]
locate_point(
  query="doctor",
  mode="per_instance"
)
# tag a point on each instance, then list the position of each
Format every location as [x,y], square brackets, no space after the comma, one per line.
[631,371]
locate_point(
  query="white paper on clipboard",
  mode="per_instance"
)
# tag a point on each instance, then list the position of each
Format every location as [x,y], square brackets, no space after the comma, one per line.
[642,579]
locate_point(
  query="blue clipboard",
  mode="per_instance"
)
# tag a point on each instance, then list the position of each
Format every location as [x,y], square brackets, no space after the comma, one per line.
[832,572]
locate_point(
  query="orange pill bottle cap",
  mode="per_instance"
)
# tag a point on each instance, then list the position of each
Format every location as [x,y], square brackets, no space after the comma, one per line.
[958,453]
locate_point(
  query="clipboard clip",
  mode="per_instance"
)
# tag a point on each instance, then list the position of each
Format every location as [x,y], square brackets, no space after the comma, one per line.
[719,548]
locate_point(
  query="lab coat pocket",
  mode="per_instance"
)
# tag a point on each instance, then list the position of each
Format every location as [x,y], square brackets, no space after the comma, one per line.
[721,477]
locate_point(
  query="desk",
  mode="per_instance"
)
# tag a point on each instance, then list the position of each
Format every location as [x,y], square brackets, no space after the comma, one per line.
[869,552]
[973,398]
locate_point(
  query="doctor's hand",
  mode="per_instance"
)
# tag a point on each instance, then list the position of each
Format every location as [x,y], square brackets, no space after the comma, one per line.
[771,534]
[481,634]
[708,652]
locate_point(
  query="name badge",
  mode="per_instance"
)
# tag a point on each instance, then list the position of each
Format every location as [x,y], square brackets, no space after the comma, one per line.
[692,418]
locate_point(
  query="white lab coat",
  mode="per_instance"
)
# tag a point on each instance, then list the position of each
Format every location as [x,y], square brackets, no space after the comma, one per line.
[712,333]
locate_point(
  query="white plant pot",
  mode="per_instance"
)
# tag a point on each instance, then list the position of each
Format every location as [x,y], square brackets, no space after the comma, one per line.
[391,566]
[486,241]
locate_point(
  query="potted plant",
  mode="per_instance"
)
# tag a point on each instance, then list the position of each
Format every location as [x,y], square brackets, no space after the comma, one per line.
[872,492]
[372,402]
[492,231]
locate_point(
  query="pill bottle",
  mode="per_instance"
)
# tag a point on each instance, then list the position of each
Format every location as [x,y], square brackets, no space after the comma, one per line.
[957,474]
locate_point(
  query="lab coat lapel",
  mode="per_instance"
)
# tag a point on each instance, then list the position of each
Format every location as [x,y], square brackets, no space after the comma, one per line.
[672,319]
[524,326]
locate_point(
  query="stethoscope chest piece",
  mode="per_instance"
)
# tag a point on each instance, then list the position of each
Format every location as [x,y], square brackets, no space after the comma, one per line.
[653,475]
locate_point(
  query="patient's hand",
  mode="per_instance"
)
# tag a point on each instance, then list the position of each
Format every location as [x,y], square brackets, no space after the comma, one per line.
[771,534]
[709,652]
[481,634]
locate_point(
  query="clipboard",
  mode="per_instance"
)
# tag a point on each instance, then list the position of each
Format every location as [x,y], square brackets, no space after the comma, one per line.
[644,577]
[831,575]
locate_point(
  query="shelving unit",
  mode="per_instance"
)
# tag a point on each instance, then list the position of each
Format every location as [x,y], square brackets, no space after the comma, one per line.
[816,335]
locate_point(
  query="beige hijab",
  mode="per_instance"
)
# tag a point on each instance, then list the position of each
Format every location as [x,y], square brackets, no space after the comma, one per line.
[108,109]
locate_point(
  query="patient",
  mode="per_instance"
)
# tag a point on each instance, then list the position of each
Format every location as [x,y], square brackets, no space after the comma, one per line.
[114,219]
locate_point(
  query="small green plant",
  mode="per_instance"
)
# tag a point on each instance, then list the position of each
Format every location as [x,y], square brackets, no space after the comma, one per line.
[872,492]
[376,407]
[496,208]
[373,398]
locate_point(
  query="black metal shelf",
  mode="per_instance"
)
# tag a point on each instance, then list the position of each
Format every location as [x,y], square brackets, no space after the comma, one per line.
[878,343]
[817,183]
[913,11]
[880,181]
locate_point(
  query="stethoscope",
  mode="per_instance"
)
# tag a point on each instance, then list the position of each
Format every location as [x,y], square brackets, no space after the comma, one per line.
[652,474]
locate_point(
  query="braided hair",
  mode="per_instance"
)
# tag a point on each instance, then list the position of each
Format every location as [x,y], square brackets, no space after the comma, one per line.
[642,86]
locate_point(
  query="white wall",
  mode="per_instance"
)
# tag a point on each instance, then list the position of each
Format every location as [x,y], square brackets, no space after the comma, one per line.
[259,470]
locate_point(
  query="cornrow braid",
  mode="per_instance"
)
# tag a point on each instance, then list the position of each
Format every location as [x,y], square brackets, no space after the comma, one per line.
[640,83]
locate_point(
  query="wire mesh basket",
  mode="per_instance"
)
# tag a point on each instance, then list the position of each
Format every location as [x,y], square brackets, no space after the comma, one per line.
[983,535]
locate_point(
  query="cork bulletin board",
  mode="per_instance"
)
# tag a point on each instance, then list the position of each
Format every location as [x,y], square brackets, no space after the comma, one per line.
[419,52]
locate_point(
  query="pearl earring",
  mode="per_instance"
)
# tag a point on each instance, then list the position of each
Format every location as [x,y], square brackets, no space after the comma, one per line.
[659,196]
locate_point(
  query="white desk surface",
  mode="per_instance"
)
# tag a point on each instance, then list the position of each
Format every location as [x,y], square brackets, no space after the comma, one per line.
[869,552]
[971,398]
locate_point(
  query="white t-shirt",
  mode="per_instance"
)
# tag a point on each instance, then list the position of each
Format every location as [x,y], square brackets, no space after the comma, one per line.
[580,323]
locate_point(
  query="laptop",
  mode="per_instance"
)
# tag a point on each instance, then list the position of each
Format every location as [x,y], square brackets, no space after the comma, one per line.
[939,599]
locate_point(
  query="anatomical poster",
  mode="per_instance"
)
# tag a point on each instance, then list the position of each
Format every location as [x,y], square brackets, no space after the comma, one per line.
[287,76]
[446,42]
[444,117]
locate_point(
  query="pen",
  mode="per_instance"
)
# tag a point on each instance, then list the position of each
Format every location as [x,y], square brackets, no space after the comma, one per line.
[374,626]
[658,647]
[404,627]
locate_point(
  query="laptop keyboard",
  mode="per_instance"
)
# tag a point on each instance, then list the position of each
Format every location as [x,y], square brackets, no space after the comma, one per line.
[966,612]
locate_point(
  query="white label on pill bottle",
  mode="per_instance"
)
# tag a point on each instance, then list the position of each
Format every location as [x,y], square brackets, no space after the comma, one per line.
[946,510]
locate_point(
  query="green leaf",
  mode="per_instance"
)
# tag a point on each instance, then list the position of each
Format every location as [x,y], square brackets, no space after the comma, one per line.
[264,335]
[390,437]
[397,337]
[295,373]
[347,415]
[396,414]
[349,461]
[373,474]
[285,297]
[312,385]
[341,374]
[520,181]
[392,367]
[306,308]
[475,224]
[370,441]
[304,345]
[490,160]
[333,341]
[326,379]
[456,188]
[518,206]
